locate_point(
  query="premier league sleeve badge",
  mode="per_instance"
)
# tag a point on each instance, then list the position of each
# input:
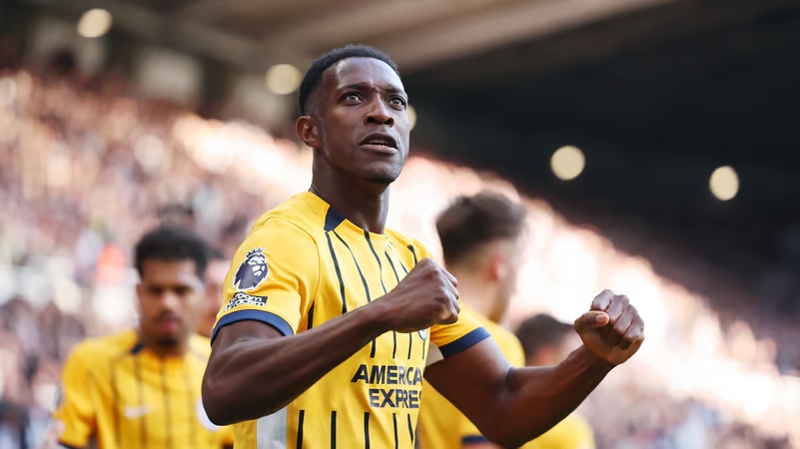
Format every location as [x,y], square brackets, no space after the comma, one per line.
[252,272]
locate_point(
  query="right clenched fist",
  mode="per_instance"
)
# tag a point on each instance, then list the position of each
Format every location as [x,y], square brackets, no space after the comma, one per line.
[425,297]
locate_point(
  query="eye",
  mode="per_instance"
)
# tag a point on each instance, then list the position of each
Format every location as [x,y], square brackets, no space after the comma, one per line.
[398,102]
[352,97]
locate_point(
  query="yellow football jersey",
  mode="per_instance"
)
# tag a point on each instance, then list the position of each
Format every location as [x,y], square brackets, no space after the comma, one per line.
[571,433]
[303,264]
[442,426]
[126,397]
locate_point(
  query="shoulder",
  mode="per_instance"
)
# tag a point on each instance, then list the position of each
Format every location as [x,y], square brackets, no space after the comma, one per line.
[201,346]
[302,214]
[95,351]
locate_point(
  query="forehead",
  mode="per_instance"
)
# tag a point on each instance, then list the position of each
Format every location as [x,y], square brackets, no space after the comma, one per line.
[367,71]
[156,271]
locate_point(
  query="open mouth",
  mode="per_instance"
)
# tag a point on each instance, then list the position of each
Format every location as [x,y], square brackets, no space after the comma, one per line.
[380,142]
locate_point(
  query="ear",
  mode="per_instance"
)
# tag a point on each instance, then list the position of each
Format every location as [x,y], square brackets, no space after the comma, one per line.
[498,268]
[308,132]
[139,293]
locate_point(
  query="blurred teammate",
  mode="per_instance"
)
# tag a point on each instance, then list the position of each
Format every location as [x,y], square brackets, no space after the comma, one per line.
[140,388]
[547,341]
[331,318]
[216,270]
[481,239]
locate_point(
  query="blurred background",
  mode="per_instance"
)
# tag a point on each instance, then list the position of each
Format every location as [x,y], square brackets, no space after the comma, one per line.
[651,141]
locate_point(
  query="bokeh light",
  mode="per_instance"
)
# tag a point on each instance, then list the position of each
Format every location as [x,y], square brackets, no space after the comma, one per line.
[724,183]
[94,23]
[567,163]
[283,79]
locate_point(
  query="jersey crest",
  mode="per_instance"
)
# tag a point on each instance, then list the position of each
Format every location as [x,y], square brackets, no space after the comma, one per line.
[252,271]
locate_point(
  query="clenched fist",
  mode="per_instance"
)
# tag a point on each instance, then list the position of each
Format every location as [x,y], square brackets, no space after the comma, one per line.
[426,296]
[612,328]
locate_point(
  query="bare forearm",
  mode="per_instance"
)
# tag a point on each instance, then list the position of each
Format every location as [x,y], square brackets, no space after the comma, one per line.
[539,398]
[252,378]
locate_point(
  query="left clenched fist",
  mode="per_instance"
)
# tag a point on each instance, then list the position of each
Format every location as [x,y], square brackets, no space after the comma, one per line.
[612,328]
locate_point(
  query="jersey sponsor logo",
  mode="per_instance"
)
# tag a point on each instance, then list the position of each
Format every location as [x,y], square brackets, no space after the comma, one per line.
[243,299]
[393,397]
[252,271]
[133,412]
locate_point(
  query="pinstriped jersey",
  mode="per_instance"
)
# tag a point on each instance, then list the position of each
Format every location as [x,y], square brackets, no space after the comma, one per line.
[126,397]
[442,426]
[303,264]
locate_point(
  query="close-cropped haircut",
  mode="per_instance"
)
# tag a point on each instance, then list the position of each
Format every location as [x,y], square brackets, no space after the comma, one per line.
[171,244]
[314,74]
[541,330]
[474,220]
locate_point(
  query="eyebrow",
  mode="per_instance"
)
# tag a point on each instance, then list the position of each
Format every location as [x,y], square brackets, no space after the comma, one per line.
[360,86]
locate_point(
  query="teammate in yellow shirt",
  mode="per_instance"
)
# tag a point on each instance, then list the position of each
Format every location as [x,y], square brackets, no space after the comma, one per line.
[547,341]
[481,238]
[331,318]
[140,389]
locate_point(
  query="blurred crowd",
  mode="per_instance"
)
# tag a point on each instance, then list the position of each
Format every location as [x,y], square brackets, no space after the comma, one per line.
[85,169]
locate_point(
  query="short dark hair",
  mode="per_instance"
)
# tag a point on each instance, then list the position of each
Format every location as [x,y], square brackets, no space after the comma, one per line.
[170,243]
[472,220]
[541,330]
[215,253]
[314,74]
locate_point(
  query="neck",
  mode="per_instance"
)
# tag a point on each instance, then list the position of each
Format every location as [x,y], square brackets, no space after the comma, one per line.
[477,293]
[163,351]
[363,203]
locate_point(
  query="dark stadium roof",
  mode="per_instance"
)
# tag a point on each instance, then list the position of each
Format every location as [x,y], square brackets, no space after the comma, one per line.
[657,100]
[257,33]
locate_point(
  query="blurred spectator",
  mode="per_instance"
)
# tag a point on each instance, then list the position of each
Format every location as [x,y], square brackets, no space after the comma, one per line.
[84,168]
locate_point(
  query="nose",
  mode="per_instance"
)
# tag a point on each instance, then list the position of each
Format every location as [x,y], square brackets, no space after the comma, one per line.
[379,114]
[170,301]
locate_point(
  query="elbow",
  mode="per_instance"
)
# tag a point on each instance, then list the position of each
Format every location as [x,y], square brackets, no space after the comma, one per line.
[508,433]
[213,403]
[504,439]
[507,441]
[224,405]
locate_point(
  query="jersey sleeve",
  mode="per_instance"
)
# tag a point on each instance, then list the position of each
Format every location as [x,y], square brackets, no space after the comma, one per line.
[273,278]
[76,412]
[448,340]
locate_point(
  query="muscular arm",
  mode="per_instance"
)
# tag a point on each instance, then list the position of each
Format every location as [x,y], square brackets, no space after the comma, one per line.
[254,371]
[509,405]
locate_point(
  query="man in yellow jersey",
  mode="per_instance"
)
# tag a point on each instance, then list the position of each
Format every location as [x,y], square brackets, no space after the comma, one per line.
[331,318]
[215,273]
[482,243]
[547,341]
[140,389]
